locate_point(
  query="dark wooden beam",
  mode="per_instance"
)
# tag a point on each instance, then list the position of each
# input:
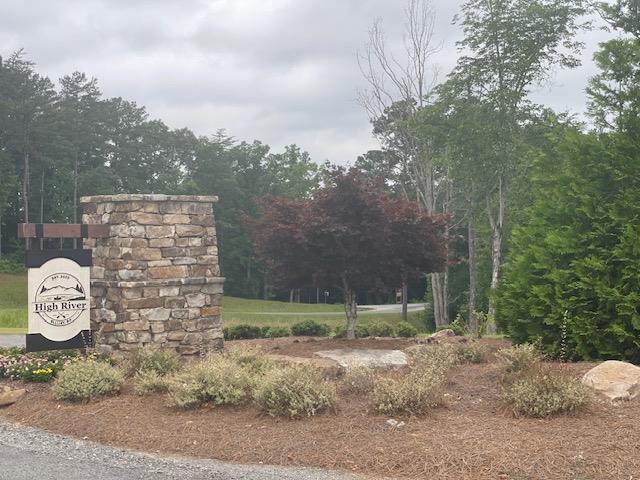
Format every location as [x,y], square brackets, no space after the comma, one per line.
[62,230]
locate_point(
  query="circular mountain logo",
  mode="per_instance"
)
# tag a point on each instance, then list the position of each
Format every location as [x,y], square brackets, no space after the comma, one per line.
[60,299]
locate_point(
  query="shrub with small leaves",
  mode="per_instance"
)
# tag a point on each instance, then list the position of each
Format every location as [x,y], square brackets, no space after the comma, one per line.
[519,357]
[145,382]
[405,329]
[294,391]
[380,329]
[242,332]
[162,362]
[415,393]
[442,356]
[217,379]
[311,328]
[541,392]
[358,380]
[276,332]
[471,352]
[86,379]
[362,331]
[250,358]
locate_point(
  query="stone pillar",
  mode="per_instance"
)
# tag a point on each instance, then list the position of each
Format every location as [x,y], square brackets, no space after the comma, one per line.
[155,280]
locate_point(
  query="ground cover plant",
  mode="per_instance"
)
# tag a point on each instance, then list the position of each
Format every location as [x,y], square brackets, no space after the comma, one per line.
[294,391]
[352,434]
[311,328]
[542,391]
[358,380]
[533,388]
[15,364]
[86,379]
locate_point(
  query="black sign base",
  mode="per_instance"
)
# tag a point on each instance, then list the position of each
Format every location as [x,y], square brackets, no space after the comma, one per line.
[37,343]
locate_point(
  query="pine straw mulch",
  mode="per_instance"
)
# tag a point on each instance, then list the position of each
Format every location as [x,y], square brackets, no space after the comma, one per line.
[472,437]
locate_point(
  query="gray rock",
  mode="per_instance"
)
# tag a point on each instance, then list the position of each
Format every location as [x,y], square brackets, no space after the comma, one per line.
[8,396]
[447,332]
[616,380]
[366,357]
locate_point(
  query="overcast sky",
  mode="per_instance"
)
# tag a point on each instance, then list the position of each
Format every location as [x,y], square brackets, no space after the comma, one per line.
[281,71]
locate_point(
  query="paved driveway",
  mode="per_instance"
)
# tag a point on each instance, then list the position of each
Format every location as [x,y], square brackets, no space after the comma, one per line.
[30,454]
[12,340]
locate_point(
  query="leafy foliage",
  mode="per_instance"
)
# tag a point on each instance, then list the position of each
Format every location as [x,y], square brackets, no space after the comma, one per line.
[349,235]
[86,379]
[541,392]
[242,332]
[311,328]
[519,357]
[217,379]
[161,362]
[380,329]
[294,391]
[405,329]
[150,381]
[575,266]
[358,380]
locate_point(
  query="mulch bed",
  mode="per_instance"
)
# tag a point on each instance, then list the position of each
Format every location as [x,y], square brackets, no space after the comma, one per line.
[472,437]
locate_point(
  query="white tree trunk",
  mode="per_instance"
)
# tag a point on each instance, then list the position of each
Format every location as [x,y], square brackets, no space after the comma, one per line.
[497,233]
[405,299]
[351,309]
[473,272]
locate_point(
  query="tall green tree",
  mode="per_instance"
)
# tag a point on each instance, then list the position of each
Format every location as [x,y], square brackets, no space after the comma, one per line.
[509,46]
[572,281]
[26,100]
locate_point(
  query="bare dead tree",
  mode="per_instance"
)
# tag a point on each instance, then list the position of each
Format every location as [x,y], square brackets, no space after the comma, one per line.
[409,78]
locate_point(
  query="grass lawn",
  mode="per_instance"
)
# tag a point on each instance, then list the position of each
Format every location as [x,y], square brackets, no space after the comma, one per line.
[13,298]
[13,313]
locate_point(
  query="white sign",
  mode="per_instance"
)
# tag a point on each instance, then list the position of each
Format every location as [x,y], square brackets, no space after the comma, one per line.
[59,301]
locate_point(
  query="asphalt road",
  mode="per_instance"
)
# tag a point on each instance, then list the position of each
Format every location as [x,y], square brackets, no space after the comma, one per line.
[30,454]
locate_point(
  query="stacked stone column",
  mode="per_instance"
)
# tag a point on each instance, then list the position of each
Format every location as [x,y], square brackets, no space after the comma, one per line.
[155,280]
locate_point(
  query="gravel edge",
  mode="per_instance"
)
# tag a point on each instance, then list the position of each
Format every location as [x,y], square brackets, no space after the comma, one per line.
[79,452]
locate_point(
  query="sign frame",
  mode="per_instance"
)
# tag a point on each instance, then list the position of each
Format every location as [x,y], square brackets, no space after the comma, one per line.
[67,307]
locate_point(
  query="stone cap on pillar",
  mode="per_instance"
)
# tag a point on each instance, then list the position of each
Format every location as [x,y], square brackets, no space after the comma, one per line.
[149,197]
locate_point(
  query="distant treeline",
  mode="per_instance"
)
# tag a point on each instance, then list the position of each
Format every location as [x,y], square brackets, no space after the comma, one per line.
[61,141]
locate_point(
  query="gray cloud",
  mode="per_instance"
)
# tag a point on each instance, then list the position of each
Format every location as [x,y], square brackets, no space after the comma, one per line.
[281,71]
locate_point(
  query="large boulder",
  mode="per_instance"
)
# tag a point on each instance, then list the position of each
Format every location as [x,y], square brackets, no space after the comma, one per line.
[616,380]
[9,396]
[328,367]
[366,357]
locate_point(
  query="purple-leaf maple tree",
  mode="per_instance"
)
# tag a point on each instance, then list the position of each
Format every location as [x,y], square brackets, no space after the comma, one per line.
[351,235]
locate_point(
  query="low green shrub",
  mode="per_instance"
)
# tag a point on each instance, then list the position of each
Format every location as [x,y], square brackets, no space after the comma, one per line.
[380,329]
[252,359]
[294,391]
[470,352]
[541,392]
[358,380]
[242,332]
[442,356]
[405,329]
[310,328]
[162,362]
[9,265]
[459,326]
[483,320]
[415,393]
[217,379]
[276,332]
[86,379]
[362,331]
[145,382]
[519,357]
